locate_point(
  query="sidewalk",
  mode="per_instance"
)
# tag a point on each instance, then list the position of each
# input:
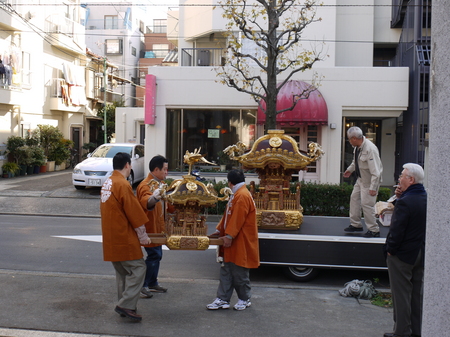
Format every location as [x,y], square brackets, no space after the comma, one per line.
[84,304]
[40,304]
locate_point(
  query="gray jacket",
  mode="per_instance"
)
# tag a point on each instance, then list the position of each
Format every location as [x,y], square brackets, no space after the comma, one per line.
[370,165]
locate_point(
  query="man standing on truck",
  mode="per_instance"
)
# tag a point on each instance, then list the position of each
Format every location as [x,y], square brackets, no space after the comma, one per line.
[368,168]
[404,250]
[240,250]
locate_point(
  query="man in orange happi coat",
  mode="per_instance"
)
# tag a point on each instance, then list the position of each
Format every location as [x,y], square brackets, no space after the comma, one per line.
[123,233]
[240,251]
[155,208]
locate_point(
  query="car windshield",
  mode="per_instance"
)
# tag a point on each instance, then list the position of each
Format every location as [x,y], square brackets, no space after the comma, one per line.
[109,151]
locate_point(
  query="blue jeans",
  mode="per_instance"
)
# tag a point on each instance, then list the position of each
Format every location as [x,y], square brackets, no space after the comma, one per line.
[154,256]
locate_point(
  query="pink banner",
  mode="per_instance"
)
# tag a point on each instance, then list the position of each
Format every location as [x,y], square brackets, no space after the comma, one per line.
[150,99]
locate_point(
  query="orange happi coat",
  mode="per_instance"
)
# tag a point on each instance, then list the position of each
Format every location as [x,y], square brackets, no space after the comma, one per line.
[239,221]
[121,214]
[156,216]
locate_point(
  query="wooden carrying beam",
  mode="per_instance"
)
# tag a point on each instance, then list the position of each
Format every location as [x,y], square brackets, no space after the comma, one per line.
[162,239]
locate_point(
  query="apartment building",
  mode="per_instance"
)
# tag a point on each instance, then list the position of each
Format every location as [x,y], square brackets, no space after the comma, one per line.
[116,31]
[158,50]
[43,51]
[191,109]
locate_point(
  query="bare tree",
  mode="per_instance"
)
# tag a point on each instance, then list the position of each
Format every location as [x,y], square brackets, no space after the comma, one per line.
[264,40]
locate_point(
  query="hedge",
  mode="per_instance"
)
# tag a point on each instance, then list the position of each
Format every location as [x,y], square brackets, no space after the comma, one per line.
[316,199]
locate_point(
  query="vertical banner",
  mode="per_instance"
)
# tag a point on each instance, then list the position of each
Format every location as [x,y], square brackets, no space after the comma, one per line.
[150,99]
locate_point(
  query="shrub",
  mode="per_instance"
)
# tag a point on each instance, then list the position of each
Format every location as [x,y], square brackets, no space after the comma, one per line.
[316,199]
[38,156]
[10,167]
[12,144]
[23,155]
[59,152]
[49,136]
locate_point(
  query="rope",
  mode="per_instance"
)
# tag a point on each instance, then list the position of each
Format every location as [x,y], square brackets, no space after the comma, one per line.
[359,289]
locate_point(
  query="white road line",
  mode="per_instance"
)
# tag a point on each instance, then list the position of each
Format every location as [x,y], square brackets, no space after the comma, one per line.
[98,238]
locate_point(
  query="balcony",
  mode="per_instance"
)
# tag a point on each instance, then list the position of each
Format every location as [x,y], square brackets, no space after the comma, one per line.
[101,24]
[65,98]
[202,57]
[7,18]
[66,34]
[11,96]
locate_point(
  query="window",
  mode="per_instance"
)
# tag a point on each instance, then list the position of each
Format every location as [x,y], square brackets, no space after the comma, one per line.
[211,129]
[160,50]
[111,22]
[159,26]
[304,135]
[133,51]
[114,46]
[26,73]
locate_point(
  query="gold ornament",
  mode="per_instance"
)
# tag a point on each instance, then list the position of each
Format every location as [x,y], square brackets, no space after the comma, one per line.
[275,142]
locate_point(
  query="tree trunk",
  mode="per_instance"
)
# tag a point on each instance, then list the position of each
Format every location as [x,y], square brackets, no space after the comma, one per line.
[272,53]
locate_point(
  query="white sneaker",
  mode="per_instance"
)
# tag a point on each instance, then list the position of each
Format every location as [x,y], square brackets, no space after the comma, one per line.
[242,305]
[218,304]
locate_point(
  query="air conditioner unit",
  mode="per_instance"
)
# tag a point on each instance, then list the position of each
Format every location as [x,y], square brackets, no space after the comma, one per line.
[203,58]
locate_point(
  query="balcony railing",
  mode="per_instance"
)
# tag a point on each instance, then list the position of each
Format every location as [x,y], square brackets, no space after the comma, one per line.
[57,23]
[102,24]
[202,57]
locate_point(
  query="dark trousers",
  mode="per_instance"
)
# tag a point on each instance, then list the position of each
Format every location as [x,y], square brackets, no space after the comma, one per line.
[154,256]
[234,277]
[407,294]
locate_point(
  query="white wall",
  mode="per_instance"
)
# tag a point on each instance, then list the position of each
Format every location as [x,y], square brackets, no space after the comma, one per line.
[127,124]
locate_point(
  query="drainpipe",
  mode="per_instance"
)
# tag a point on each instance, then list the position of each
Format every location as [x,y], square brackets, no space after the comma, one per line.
[104,101]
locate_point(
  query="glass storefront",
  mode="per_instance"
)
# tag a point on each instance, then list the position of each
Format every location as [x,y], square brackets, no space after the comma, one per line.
[212,130]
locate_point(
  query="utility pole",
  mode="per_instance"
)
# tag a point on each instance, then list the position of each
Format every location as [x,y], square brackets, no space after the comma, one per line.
[104,101]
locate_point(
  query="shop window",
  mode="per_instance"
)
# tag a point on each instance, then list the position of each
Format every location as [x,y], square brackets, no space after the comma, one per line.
[210,130]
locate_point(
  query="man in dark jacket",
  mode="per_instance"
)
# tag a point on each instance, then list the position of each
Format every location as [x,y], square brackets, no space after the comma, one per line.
[404,249]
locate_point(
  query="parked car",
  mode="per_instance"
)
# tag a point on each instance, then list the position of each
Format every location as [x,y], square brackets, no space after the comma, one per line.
[93,171]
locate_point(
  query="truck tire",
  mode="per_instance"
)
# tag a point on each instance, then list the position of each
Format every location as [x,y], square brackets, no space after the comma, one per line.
[300,274]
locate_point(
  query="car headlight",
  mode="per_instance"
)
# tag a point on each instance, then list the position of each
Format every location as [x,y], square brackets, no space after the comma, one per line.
[76,171]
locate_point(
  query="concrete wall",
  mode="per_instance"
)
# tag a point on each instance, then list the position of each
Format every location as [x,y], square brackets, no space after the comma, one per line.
[436,310]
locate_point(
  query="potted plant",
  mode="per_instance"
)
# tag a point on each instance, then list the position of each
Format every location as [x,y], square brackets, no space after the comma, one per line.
[12,144]
[10,169]
[24,159]
[49,136]
[38,158]
[59,153]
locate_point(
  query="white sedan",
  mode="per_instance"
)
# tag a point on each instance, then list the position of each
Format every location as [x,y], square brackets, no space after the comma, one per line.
[94,170]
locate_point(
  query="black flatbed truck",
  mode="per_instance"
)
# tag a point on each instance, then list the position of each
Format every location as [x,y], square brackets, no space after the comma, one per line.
[321,242]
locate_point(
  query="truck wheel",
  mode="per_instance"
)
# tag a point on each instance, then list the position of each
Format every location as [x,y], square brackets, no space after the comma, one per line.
[300,274]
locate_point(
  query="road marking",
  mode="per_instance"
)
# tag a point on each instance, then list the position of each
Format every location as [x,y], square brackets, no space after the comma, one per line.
[98,238]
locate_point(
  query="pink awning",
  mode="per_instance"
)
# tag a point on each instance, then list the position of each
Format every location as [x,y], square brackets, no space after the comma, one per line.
[312,110]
